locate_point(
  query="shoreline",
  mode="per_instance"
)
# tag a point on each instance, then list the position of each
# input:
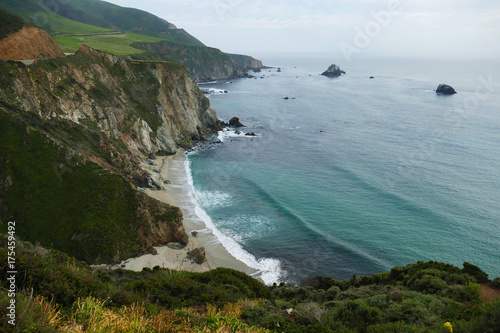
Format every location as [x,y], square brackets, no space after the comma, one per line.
[174,256]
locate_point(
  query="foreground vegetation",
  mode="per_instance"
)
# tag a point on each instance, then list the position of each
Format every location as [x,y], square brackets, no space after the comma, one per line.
[59,293]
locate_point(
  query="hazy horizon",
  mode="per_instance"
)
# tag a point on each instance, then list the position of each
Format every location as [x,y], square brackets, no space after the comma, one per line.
[354,28]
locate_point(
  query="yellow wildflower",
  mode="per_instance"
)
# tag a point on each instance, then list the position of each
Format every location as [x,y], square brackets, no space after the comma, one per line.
[448,325]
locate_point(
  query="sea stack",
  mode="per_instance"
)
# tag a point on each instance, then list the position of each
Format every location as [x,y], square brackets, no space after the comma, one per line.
[445,89]
[235,122]
[333,71]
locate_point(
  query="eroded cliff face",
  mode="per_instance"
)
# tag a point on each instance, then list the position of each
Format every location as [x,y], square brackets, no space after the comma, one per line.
[74,133]
[246,62]
[146,107]
[29,43]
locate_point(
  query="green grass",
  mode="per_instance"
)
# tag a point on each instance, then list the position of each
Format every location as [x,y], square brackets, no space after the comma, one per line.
[115,44]
[62,25]
[91,14]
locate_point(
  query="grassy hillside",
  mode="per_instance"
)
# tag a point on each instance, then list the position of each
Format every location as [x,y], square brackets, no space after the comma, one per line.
[66,294]
[104,16]
[203,63]
[119,44]
[36,13]
[10,23]
[61,25]
[125,31]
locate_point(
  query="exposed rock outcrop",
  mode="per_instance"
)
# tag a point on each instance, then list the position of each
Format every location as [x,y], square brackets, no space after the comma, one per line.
[445,89]
[333,71]
[197,255]
[246,62]
[235,122]
[148,107]
[87,123]
[29,43]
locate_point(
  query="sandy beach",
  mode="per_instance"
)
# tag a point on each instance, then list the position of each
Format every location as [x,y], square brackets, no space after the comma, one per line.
[174,256]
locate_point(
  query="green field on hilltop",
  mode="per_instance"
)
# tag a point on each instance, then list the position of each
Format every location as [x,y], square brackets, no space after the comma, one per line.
[118,44]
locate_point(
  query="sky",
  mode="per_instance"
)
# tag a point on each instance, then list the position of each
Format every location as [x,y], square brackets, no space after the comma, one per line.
[352,28]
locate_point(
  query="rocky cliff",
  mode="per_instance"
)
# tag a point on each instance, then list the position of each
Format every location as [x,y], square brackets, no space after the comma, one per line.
[74,133]
[148,107]
[203,63]
[245,61]
[29,43]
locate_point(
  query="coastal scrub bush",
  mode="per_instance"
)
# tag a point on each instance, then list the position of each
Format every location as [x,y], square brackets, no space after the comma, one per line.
[397,327]
[230,301]
[430,284]
[319,282]
[312,314]
[244,284]
[91,209]
[357,314]
[476,272]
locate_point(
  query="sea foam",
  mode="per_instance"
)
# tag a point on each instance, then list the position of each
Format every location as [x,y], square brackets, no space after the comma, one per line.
[268,269]
[228,133]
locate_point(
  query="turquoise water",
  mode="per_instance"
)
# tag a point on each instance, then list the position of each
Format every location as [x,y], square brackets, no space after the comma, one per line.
[357,175]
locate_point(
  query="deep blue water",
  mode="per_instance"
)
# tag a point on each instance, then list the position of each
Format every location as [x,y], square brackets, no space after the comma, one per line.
[357,175]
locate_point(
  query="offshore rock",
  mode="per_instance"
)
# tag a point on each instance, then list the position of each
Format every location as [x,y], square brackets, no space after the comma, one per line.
[445,89]
[333,71]
[235,122]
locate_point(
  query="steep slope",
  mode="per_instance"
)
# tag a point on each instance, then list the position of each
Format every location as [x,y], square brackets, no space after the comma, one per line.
[74,23]
[10,23]
[245,61]
[96,13]
[29,43]
[74,133]
[203,63]
[148,106]
[21,40]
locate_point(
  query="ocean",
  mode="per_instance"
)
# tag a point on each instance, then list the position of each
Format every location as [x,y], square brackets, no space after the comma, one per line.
[353,175]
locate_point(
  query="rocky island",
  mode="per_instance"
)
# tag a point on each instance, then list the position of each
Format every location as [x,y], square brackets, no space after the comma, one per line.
[333,71]
[445,89]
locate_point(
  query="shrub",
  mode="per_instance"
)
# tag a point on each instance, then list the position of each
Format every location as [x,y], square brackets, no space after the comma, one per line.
[476,272]
[398,327]
[357,314]
[312,314]
[430,284]
[243,283]
[319,282]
